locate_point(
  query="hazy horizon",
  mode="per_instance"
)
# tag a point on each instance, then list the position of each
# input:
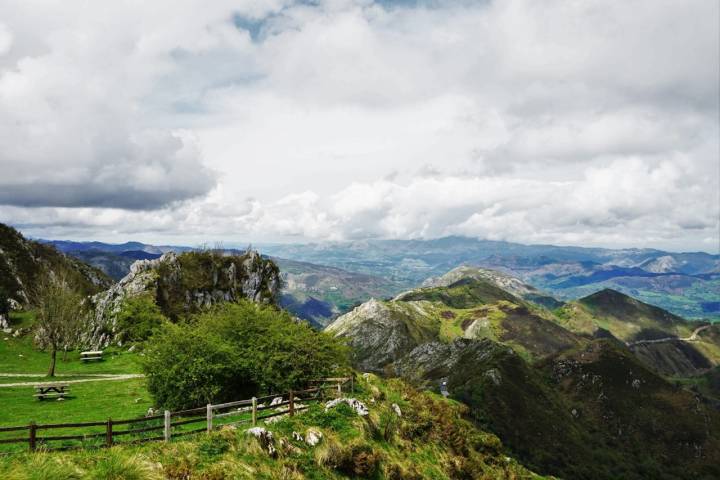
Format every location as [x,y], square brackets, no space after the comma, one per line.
[243,244]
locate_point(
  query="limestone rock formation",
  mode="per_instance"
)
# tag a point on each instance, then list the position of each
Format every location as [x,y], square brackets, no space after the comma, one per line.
[382,332]
[185,284]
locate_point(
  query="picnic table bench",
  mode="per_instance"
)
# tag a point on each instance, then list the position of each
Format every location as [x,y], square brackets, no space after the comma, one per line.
[51,390]
[89,356]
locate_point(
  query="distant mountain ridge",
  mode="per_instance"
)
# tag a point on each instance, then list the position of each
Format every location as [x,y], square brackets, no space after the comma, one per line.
[686,284]
[691,289]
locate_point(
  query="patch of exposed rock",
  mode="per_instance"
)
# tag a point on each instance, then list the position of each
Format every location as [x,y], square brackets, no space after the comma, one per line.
[382,332]
[359,407]
[436,360]
[506,282]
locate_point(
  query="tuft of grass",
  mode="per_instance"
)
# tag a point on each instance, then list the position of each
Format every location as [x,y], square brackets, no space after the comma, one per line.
[116,465]
[41,466]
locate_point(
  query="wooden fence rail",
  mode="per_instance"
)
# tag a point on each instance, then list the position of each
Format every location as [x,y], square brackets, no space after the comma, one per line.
[255,407]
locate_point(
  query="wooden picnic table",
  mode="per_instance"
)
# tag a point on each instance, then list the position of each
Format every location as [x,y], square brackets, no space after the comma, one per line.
[92,355]
[51,390]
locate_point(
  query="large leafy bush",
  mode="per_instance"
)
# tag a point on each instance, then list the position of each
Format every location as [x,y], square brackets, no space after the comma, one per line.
[236,351]
[138,318]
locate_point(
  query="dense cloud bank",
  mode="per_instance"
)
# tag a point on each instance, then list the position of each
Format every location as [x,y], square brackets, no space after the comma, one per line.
[567,122]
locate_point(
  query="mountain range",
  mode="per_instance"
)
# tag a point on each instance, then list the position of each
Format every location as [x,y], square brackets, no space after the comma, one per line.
[325,279]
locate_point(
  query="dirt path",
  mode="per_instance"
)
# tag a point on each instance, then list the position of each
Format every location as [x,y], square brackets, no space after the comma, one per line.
[692,338]
[96,377]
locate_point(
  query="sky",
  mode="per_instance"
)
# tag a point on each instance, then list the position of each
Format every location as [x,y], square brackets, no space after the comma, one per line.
[592,123]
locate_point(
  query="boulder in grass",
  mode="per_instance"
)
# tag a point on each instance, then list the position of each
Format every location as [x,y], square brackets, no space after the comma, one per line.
[313,436]
[265,437]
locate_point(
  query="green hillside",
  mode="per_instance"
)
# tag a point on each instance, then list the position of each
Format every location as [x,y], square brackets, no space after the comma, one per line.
[407,435]
[23,262]
[565,403]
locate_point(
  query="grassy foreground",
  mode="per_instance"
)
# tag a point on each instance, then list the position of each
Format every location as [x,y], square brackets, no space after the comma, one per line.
[88,401]
[429,439]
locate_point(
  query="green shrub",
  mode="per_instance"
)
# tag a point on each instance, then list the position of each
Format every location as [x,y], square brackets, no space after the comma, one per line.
[139,317]
[213,445]
[186,368]
[236,351]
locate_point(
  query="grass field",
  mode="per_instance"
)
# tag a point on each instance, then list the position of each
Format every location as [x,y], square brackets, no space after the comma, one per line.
[91,401]
[18,355]
[94,400]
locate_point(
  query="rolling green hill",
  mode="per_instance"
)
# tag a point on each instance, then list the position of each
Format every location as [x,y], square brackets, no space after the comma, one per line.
[565,402]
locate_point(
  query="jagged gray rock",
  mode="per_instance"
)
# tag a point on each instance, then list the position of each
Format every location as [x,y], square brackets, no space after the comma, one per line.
[248,276]
[313,436]
[359,407]
[429,363]
[382,332]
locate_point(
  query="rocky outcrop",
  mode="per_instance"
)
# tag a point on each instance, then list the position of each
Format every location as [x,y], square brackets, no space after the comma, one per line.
[501,280]
[382,332]
[185,284]
[430,363]
[359,407]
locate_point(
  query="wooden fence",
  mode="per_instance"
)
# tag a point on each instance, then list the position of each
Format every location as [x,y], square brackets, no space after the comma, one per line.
[174,424]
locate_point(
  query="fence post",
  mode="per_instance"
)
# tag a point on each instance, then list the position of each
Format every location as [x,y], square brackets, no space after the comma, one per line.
[254,411]
[292,403]
[33,436]
[352,383]
[339,389]
[108,433]
[166,432]
[209,417]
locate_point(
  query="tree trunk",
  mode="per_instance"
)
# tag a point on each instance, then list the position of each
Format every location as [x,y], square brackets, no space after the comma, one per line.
[53,356]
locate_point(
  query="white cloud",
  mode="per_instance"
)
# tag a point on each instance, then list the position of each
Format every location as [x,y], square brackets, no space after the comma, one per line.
[6,39]
[575,122]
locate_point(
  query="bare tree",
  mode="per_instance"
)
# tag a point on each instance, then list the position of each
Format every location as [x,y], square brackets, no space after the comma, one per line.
[60,314]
